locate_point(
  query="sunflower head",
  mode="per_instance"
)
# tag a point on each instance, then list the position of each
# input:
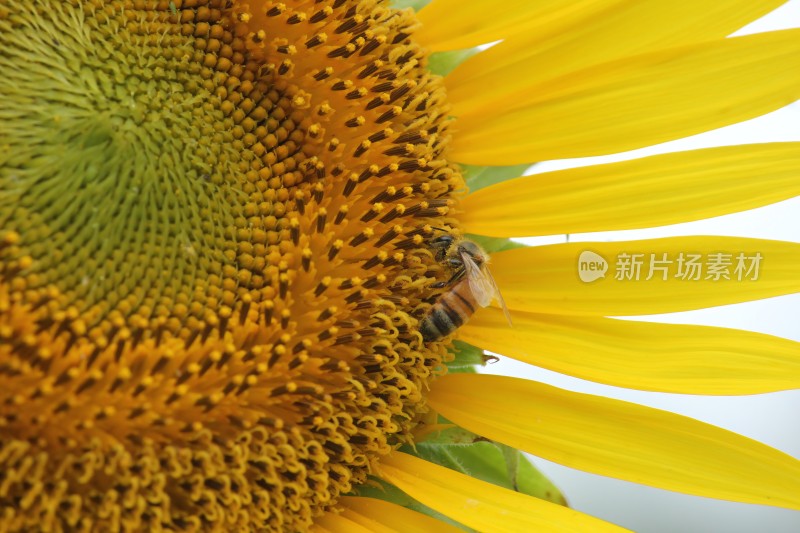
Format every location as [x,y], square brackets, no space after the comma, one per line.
[227,259]
[215,255]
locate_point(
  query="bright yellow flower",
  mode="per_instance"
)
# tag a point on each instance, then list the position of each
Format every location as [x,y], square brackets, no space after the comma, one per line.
[216,243]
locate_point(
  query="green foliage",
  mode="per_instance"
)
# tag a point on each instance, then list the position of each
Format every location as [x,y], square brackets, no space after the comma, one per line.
[467,357]
[381,490]
[443,63]
[479,177]
[494,244]
[531,481]
[495,463]
[416,5]
[475,456]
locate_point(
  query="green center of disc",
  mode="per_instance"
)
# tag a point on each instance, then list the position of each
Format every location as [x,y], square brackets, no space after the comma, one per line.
[116,153]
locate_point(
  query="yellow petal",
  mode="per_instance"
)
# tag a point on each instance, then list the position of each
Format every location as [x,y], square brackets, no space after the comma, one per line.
[545,279]
[577,35]
[652,191]
[453,24]
[642,355]
[338,523]
[619,439]
[632,102]
[383,512]
[481,505]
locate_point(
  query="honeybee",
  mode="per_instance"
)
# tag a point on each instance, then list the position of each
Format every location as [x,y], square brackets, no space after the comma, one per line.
[471,285]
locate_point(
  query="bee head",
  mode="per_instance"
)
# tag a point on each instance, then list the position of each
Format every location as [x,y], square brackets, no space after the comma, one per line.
[474,251]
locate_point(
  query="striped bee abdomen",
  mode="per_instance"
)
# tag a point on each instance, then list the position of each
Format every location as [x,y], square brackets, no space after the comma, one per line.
[451,311]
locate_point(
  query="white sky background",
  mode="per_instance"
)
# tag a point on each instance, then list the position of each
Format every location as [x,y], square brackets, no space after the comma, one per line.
[770,418]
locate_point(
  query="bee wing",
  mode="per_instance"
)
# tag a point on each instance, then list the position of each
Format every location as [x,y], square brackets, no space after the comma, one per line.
[482,287]
[496,292]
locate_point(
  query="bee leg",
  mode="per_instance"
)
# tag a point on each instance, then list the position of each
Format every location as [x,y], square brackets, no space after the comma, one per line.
[441,244]
[455,263]
[458,274]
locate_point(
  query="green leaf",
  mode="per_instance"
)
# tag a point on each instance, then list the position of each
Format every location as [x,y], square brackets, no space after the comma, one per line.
[476,456]
[494,244]
[381,490]
[467,357]
[443,63]
[477,177]
[532,482]
[416,5]
[463,451]
[512,456]
[452,435]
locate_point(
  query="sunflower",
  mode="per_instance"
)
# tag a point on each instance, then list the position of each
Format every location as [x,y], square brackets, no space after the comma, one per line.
[219,232]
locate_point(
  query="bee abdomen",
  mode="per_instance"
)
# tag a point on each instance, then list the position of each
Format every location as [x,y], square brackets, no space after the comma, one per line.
[449,313]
